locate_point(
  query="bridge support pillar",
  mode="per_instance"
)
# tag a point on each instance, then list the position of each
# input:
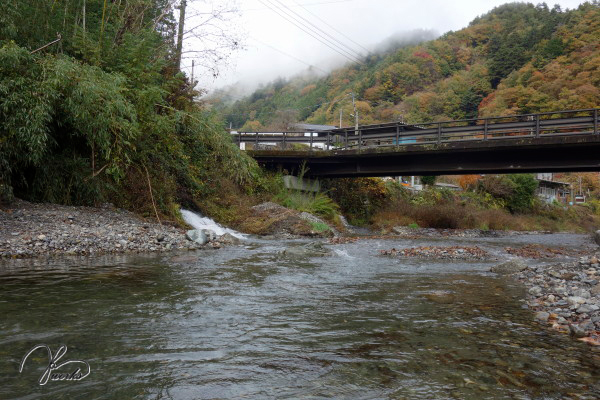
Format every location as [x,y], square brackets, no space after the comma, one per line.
[304,184]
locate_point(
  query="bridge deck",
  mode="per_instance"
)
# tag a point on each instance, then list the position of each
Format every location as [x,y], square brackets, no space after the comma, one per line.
[560,141]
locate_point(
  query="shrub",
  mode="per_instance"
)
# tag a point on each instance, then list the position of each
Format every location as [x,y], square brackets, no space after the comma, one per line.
[523,197]
[314,203]
[358,198]
[498,186]
[428,180]
[515,191]
[319,227]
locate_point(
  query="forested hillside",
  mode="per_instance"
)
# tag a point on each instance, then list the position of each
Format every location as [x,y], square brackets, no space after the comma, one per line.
[518,58]
[104,114]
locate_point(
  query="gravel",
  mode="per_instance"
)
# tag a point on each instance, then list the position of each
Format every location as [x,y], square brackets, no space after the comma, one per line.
[31,230]
[439,252]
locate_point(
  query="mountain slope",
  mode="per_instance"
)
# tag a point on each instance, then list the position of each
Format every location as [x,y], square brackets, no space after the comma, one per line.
[518,58]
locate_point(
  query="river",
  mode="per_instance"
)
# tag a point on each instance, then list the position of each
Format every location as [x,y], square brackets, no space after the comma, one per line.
[255,322]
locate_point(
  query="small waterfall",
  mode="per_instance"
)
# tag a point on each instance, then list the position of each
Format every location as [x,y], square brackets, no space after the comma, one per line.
[200,222]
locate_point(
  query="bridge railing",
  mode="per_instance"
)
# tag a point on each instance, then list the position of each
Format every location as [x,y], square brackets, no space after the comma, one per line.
[573,122]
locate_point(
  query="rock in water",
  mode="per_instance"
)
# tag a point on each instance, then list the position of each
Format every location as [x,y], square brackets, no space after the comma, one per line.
[597,237]
[509,267]
[440,296]
[313,249]
[211,236]
[197,236]
[542,316]
[576,330]
[228,238]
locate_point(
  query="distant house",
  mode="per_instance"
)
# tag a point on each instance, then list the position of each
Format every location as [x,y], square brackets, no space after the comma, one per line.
[413,184]
[448,186]
[550,190]
[313,127]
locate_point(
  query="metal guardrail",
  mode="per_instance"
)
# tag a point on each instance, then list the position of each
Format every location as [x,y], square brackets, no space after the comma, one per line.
[558,123]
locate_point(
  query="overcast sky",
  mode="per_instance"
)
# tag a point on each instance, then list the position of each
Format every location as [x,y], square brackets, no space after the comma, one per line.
[274,47]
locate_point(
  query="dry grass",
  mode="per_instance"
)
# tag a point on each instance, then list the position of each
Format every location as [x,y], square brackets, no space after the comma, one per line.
[460,215]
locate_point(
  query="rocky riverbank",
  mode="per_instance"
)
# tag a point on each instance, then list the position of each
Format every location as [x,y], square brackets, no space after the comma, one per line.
[30,230]
[33,229]
[566,296]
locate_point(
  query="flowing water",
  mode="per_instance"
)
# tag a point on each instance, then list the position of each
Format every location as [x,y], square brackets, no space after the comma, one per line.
[200,222]
[282,320]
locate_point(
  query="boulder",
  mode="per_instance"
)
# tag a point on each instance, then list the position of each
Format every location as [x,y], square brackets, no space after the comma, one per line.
[575,301]
[272,219]
[576,330]
[228,238]
[542,316]
[585,309]
[535,291]
[313,249]
[210,235]
[509,267]
[317,222]
[440,296]
[597,237]
[197,236]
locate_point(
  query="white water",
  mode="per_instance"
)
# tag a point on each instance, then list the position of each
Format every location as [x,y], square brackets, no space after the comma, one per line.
[343,254]
[200,222]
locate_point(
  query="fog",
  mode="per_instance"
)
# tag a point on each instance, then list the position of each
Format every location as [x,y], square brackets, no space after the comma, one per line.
[282,38]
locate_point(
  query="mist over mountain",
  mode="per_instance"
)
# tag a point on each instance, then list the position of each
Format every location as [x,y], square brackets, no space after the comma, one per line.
[518,58]
[259,80]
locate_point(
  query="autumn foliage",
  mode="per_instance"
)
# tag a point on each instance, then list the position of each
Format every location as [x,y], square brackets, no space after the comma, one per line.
[518,58]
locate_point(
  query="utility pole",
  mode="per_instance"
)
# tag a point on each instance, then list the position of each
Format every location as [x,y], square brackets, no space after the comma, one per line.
[355,114]
[193,83]
[179,50]
[83,23]
[341,112]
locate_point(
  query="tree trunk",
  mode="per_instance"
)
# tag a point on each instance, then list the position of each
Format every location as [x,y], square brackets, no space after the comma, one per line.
[180,33]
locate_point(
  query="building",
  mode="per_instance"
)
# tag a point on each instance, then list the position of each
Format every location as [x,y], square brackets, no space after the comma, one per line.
[550,190]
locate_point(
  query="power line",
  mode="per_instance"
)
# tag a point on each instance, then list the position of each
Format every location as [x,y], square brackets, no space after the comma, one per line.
[341,44]
[331,102]
[289,55]
[301,5]
[327,24]
[318,31]
[305,30]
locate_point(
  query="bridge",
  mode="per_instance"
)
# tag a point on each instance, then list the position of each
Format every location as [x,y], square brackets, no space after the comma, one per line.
[561,141]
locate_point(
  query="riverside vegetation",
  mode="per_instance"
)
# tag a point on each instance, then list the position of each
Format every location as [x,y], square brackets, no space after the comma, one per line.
[105,115]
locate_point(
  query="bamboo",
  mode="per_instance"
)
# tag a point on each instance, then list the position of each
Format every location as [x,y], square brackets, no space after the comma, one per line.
[151,195]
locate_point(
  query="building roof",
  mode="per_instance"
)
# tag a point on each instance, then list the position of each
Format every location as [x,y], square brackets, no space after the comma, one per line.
[553,183]
[447,185]
[313,128]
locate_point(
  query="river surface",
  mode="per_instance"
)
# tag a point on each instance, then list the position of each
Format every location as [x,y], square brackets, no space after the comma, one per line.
[253,322]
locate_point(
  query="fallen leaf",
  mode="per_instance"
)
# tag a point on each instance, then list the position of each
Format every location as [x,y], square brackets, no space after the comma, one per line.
[590,340]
